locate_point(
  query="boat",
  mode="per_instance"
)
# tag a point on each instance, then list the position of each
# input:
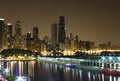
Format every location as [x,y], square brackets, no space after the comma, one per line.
[111,72]
[70,65]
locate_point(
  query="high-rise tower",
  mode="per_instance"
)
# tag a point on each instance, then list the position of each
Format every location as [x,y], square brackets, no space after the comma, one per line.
[17,36]
[35,33]
[54,34]
[1,29]
[28,40]
[9,27]
[61,30]
[18,28]
[7,36]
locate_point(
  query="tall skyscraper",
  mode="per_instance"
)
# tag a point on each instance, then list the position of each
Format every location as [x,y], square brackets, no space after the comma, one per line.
[28,40]
[18,28]
[1,29]
[9,27]
[35,33]
[54,34]
[17,35]
[5,37]
[61,30]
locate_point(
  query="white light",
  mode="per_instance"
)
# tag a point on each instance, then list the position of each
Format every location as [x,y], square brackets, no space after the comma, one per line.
[29,31]
[8,23]
[68,64]
[20,78]
[110,58]
[103,58]
[7,70]
[2,19]
[118,58]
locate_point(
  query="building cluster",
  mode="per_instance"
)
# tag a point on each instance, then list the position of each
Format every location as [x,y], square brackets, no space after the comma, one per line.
[58,43]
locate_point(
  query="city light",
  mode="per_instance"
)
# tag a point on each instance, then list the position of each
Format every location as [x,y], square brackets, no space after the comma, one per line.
[5,71]
[22,78]
[2,19]
[118,58]
[110,58]
[9,24]
[103,58]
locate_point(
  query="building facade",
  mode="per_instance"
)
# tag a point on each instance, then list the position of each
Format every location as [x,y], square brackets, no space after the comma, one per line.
[54,34]
[61,30]
[1,30]
[28,40]
[17,36]
[35,33]
[9,27]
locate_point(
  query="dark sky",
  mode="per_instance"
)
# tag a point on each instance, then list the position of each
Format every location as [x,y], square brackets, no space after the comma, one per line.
[94,20]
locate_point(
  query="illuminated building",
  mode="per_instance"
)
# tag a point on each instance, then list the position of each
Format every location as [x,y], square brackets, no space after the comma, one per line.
[1,29]
[18,28]
[28,40]
[23,42]
[61,30]
[35,45]
[54,34]
[5,37]
[74,45]
[46,40]
[9,27]
[35,33]
[17,35]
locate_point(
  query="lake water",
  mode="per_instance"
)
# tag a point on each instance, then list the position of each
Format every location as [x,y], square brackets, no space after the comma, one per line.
[47,71]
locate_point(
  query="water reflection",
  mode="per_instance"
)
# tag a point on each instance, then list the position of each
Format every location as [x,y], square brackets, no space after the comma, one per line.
[47,71]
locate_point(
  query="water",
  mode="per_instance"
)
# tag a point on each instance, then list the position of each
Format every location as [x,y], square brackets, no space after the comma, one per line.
[47,71]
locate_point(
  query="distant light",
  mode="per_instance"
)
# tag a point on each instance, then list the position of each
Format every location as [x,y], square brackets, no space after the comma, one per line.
[118,58]
[2,19]
[110,58]
[9,24]
[7,70]
[29,31]
[20,78]
[103,58]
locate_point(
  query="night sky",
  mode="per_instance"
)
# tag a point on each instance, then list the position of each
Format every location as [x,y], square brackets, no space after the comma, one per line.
[94,20]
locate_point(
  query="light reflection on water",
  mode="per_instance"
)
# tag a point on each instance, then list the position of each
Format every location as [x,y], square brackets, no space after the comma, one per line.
[47,71]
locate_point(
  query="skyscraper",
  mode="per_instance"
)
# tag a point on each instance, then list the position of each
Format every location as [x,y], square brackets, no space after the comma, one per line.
[18,28]
[61,30]
[54,34]
[9,27]
[1,29]
[7,36]
[35,33]
[17,35]
[28,40]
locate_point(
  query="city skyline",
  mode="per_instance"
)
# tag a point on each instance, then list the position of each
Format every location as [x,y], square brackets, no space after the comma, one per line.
[91,20]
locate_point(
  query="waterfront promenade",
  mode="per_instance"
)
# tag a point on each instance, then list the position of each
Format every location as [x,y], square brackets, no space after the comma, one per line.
[98,64]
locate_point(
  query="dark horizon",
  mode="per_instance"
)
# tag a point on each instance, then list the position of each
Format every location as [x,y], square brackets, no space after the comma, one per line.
[93,20]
